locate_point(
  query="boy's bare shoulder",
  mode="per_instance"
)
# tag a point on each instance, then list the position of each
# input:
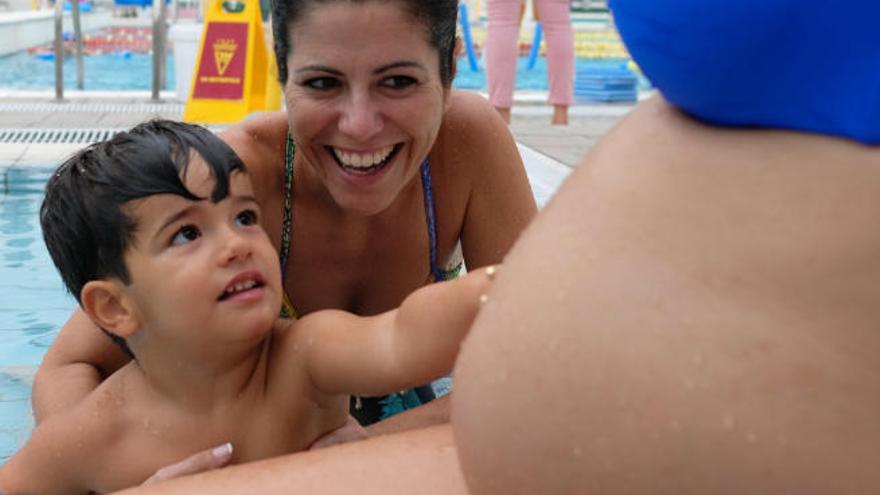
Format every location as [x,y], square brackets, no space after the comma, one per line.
[67,451]
[295,341]
[288,353]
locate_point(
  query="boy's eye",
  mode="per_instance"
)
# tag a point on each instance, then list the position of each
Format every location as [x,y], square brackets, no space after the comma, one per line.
[398,82]
[246,218]
[321,83]
[185,234]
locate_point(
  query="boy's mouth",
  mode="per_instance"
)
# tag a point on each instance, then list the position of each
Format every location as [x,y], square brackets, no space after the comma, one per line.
[242,283]
[364,163]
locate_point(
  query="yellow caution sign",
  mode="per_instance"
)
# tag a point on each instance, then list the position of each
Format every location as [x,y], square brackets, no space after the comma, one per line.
[235,74]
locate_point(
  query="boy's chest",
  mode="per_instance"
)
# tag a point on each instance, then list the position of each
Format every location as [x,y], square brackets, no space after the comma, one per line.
[256,432]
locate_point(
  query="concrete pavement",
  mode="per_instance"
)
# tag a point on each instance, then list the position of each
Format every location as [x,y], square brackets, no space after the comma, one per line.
[38,111]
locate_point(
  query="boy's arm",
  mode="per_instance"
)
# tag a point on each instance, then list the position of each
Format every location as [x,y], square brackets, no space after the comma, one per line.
[394,350]
[49,463]
[78,360]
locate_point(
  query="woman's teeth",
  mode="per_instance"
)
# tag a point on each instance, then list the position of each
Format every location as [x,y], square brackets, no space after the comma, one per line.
[362,160]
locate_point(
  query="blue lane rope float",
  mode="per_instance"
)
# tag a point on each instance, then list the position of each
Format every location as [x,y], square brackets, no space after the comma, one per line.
[536,47]
[465,22]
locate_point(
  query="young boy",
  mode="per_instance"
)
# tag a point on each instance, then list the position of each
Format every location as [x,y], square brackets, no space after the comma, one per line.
[157,233]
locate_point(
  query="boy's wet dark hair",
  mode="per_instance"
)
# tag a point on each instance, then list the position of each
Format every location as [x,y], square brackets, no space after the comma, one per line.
[438,17]
[85,226]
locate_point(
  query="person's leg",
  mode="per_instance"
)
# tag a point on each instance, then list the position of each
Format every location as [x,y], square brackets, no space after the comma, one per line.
[501,53]
[556,24]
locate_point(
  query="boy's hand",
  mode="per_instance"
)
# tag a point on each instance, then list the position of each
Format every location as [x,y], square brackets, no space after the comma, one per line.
[205,460]
[351,431]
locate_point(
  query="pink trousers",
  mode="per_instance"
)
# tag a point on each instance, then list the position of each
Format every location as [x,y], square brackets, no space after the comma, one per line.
[502,49]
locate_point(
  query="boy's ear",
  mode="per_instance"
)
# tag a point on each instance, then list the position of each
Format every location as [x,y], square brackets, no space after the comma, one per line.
[107,304]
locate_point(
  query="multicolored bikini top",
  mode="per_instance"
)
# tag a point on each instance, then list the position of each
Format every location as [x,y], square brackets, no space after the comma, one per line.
[790,64]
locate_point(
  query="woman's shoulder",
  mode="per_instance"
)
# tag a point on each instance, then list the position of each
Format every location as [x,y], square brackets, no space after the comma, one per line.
[260,143]
[470,113]
[473,135]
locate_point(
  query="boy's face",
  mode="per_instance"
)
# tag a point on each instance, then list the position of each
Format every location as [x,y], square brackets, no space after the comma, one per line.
[203,271]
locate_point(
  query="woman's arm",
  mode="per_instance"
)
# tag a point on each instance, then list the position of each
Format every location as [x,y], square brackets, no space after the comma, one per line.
[500,203]
[78,360]
[423,462]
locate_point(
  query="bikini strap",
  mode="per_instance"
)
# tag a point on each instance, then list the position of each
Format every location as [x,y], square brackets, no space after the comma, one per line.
[428,193]
[287,310]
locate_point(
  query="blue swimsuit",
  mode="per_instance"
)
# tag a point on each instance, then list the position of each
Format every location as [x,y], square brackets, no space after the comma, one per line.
[786,64]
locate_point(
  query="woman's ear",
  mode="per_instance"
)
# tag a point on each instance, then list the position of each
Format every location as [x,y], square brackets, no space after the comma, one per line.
[457,51]
[108,305]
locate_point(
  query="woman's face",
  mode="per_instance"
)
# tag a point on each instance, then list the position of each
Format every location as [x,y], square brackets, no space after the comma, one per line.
[364,99]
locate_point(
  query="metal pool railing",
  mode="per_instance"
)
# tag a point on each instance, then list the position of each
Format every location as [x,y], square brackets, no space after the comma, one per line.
[160,36]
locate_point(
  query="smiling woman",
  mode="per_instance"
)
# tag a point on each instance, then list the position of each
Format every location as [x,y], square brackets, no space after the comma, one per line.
[377,176]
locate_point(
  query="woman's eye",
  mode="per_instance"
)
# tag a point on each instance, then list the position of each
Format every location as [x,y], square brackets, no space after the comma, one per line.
[246,218]
[321,83]
[398,82]
[185,234]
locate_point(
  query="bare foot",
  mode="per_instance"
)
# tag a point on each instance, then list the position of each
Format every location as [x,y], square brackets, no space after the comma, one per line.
[560,115]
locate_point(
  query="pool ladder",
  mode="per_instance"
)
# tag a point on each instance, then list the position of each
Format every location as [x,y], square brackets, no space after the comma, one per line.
[160,36]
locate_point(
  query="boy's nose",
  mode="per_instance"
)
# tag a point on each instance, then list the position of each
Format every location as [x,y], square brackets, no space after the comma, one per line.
[235,246]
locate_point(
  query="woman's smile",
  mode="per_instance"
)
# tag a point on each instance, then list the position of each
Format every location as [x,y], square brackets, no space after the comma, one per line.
[364,162]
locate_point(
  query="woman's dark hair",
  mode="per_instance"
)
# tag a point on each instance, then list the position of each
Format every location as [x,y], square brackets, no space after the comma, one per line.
[438,17]
[85,227]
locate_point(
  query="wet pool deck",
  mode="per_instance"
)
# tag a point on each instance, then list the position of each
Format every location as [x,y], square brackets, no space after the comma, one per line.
[549,152]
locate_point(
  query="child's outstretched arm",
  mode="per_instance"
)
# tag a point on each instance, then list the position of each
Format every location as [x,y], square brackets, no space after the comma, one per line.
[402,348]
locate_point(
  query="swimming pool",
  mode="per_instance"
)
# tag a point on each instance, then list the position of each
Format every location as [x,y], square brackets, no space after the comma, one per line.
[34,303]
[127,71]
[121,71]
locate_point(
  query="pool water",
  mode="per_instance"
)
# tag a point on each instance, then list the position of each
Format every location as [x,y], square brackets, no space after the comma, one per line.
[33,303]
[120,71]
[127,71]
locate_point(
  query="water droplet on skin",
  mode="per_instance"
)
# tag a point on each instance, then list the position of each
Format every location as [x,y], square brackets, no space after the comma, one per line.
[728,422]
[689,384]
[146,423]
[752,437]
[698,359]
[577,451]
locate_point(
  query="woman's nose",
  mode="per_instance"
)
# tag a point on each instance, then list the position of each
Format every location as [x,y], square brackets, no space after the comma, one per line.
[360,117]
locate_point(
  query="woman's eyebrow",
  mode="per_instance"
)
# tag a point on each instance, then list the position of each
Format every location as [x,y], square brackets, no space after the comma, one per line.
[385,68]
[398,65]
[318,68]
